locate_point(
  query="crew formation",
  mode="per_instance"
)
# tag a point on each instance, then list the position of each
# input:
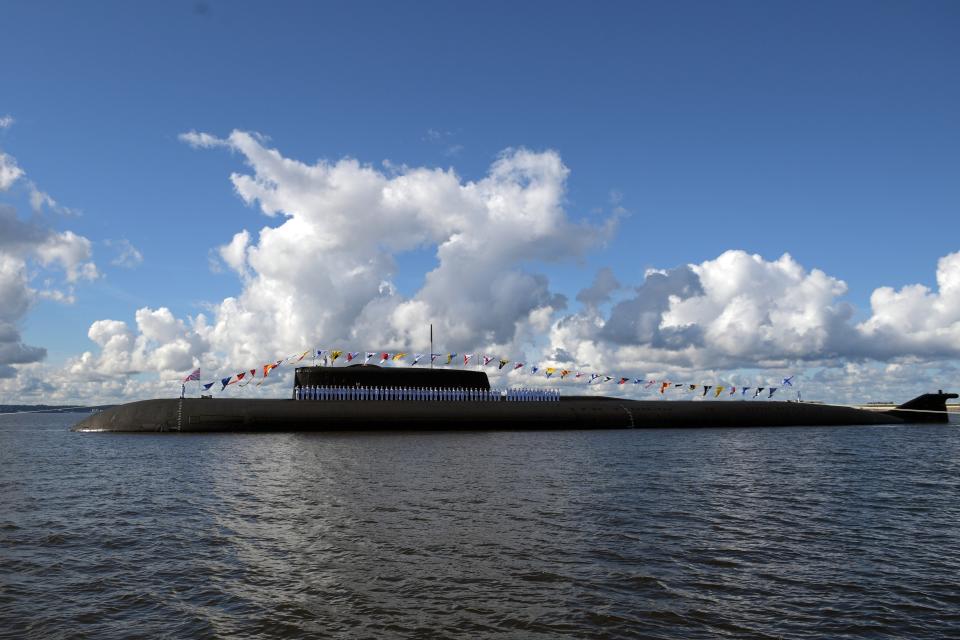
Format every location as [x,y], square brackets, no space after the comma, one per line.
[460,394]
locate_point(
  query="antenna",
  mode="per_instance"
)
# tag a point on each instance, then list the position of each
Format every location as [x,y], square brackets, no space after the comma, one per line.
[431,345]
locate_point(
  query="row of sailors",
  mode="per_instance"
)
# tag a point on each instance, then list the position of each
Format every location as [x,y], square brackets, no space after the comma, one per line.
[313,392]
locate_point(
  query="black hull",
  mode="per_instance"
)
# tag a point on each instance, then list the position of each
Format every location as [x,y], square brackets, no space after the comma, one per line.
[211,415]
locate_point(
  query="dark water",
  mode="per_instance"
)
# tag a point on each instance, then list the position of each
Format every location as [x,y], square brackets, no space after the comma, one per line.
[803,532]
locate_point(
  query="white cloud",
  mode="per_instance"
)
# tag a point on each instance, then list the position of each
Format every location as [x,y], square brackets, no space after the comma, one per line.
[128,256]
[322,274]
[72,252]
[9,171]
[742,311]
[6,121]
[915,320]
[235,252]
[318,275]
[16,296]
[25,244]
[161,344]
[201,140]
[758,310]
[39,198]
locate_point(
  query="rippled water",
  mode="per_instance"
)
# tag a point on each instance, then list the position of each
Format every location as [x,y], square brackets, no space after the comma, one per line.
[790,532]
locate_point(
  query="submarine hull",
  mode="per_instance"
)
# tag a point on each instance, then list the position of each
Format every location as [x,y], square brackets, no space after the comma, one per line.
[211,415]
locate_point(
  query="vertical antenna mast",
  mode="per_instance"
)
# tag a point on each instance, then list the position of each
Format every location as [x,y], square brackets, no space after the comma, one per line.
[431,345]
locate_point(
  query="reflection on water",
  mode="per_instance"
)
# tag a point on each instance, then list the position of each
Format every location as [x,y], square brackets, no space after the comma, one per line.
[676,533]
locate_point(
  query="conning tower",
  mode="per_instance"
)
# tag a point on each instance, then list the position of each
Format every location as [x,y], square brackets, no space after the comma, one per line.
[371,375]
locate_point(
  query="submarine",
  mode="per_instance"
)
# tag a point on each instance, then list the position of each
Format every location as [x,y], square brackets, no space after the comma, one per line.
[368,397]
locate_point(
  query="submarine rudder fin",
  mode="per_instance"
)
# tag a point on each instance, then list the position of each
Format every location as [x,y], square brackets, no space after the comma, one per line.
[929,407]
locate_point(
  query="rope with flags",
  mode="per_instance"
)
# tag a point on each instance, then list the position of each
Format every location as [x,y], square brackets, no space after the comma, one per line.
[660,388]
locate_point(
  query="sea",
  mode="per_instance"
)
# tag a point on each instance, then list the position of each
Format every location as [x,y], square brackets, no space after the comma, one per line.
[820,532]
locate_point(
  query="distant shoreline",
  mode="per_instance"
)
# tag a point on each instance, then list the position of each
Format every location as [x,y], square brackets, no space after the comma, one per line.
[51,408]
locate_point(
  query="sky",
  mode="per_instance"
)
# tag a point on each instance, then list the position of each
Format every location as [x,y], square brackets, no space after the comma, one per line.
[712,193]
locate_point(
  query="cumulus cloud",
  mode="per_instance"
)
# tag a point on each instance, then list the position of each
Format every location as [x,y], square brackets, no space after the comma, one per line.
[161,343]
[24,246]
[604,283]
[321,272]
[742,311]
[758,310]
[71,252]
[325,272]
[16,295]
[916,321]
[6,121]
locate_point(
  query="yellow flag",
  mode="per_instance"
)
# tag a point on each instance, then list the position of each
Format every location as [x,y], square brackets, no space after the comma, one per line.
[717,391]
[334,355]
[399,356]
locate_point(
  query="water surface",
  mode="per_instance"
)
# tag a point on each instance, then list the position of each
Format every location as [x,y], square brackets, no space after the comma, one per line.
[780,532]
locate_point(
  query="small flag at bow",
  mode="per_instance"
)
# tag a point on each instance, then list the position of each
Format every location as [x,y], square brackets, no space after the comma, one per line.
[193,376]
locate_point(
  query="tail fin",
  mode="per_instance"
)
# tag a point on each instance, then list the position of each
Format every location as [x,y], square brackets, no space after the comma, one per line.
[930,407]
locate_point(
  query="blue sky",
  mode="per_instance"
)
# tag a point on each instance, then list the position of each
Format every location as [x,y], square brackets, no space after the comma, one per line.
[827,130]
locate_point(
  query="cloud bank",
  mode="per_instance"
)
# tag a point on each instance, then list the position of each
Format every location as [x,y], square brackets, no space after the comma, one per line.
[321,272]
[25,244]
